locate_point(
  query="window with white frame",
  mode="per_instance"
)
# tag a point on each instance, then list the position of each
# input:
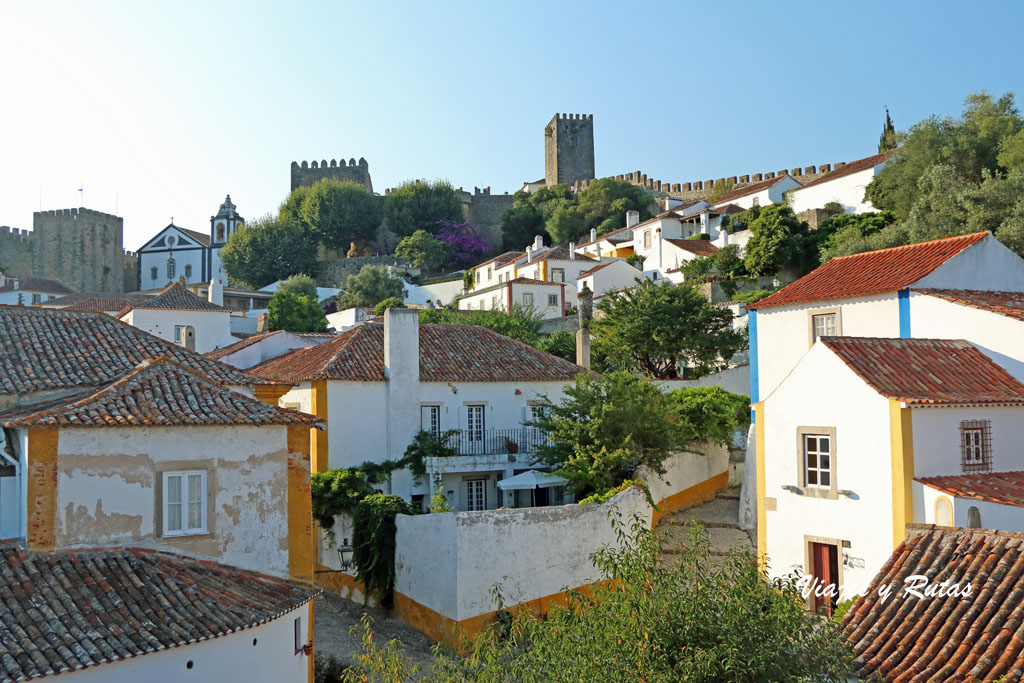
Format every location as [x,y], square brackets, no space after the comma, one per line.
[184,509]
[179,334]
[527,299]
[647,239]
[170,267]
[824,325]
[490,272]
[299,640]
[476,494]
[36,298]
[552,299]
[558,274]
[430,419]
[475,423]
[818,460]
[976,445]
[757,201]
[539,411]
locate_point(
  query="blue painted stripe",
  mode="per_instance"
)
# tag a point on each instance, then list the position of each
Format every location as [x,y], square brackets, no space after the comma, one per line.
[903,297]
[752,329]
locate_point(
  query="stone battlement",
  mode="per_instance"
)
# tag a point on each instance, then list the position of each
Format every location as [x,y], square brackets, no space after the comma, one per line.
[574,117]
[334,163]
[77,212]
[309,172]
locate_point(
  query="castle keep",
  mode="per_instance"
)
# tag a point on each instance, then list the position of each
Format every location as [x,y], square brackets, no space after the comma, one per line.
[569,149]
[308,173]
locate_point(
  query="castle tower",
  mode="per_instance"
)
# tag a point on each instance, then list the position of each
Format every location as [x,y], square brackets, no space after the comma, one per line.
[82,248]
[222,226]
[569,149]
[307,172]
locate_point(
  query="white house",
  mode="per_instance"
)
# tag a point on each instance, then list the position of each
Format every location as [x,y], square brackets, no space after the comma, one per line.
[260,347]
[607,276]
[175,252]
[762,193]
[842,438]
[981,500]
[844,185]
[669,254]
[547,299]
[30,291]
[616,243]
[179,316]
[379,384]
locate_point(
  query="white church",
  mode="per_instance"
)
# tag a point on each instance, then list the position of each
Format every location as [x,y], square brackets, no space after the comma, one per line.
[175,252]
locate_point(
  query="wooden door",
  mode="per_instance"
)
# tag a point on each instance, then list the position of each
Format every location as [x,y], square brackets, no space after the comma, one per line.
[825,568]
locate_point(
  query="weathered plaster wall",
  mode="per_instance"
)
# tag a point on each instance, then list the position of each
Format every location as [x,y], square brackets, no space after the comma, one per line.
[937,438]
[212,328]
[109,490]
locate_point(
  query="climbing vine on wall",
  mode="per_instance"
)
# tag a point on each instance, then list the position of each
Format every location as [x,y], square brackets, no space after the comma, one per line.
[373,540]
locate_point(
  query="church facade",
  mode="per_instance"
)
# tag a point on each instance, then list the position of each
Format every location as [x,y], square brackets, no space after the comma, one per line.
[175,252]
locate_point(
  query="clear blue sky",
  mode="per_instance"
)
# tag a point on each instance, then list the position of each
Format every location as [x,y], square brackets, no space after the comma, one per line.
[166,107]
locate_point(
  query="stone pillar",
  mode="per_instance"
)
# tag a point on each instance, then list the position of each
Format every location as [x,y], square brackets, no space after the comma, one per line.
[583,348]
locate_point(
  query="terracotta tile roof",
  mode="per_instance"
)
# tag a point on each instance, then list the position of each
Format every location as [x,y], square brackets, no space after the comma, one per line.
[70,610]
[928,371]
[501,285]
[174,297]
[561,254]
[502,259]
[752,188]
[941,639]
[596,268]
[159,393]
[59,349]
[448,353]
[699,247]
[871,272]
[1005,488]
[95,302]
[38,284]
[848,169]
[1010,304]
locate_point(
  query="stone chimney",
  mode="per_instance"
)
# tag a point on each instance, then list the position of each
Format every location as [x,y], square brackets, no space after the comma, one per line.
[538,242]
[261,324]
[215,294]
[572,251]
[632,218]
[402,373]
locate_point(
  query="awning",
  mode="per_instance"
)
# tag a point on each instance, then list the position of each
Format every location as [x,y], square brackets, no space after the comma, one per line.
[531,480]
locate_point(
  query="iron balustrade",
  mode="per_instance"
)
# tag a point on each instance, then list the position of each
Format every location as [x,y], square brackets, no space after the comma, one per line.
[496,441]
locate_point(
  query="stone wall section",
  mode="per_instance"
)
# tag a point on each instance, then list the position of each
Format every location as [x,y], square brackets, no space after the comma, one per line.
[307,173]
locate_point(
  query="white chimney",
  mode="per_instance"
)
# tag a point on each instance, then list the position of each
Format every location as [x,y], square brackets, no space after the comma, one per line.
[661,253]
[215,295]
[529,254]
[572,251]
[402,372]
[632,218]
[593,234]
[599,253]
[538,242]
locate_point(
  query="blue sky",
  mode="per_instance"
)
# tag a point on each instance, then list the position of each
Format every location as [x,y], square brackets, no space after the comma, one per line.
[161,109]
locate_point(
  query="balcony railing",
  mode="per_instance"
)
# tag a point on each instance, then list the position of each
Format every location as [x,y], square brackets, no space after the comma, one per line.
[496,441]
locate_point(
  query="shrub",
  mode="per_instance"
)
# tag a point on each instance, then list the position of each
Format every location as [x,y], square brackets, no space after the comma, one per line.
[373,542]
[390,302]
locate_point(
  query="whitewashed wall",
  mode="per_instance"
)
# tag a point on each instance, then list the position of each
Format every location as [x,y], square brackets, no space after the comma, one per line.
[736,380]
[108,479]
[685,470]
[266,348]
[232,657]
[987,265]
[863,462]
[937,438]
[212,328]
[993,515]
[847,190]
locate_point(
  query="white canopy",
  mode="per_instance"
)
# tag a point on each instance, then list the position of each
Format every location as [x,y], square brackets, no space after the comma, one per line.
[531,480]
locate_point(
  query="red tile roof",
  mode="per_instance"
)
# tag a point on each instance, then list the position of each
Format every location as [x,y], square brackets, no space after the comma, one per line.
[699,247]
[94,302]
[1010,304]
[940,639]
[871,272]
[1006,488]
[70,610]
[596,268]
[174,297]
[752,188]
[158,393]
[848,169]
[38,284]
[448,353]
[928,371]
[561,254]
[59,349]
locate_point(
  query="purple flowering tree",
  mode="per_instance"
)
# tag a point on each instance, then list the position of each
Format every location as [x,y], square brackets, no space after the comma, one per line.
[465,242]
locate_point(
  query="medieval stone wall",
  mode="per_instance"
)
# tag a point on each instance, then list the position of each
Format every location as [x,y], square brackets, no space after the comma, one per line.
[484,210]
[82,248]
[15,251]
[307,173]
[569,149]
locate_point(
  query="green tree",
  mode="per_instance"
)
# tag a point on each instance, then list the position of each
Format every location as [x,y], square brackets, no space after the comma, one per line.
[1011,152]
[300,284]
[295,313]
[849,233]
[520,224]
[390,302]
[371,285]
[720,189]
[655,327]
[340,213]
[778,240]
[268,249]
[560,343]
[604,203]
[422,205]
[519,324]
[422,250]
[290,210]
[888,140]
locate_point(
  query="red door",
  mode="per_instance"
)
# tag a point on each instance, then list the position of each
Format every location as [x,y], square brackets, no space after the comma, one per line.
[825,568]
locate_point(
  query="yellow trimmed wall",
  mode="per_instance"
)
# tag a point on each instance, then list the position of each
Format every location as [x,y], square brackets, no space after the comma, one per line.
[301,548]
[270,393]
[42,489]
[687,498]
[901,439]
[318,437]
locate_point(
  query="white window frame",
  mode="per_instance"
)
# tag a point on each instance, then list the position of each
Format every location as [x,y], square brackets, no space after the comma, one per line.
[430,419]
[829,325]
[647,239]
[476,494]
[37,298]
[539,411]
[818,469]
[527,299]
[558,275]
[475,432]
[184,503]
[179,334]
[171,268]
[552,299]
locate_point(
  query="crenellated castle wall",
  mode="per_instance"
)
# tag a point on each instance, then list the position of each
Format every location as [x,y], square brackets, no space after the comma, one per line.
[307,173]
[15,251]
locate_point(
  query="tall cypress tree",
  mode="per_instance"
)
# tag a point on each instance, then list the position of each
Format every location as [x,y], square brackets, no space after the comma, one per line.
[887,140]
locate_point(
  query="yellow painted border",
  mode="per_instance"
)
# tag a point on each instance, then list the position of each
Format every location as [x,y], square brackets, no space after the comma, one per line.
[42,489]
[695,495]
[270,393]
[319,453]
[301,548]
[901,441]
[762,490]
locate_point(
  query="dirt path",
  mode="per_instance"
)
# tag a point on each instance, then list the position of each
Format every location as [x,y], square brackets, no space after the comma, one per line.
[335,616]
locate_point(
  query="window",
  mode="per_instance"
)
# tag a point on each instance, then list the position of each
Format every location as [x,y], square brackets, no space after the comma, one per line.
[976,445]
[179,333]
[552,299]
[188,270]
[943,511]
[220,232]
[152,273]
[36,298]
[430,419]
[475,423]
[817,460]
[539,411]
[476,494]
[184,503]
[973,518]
[490,271]
[170,268]
[298,635]
[527,299]
[824,325]
[647,239]
[757,201]
[558,274]
[494,301]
